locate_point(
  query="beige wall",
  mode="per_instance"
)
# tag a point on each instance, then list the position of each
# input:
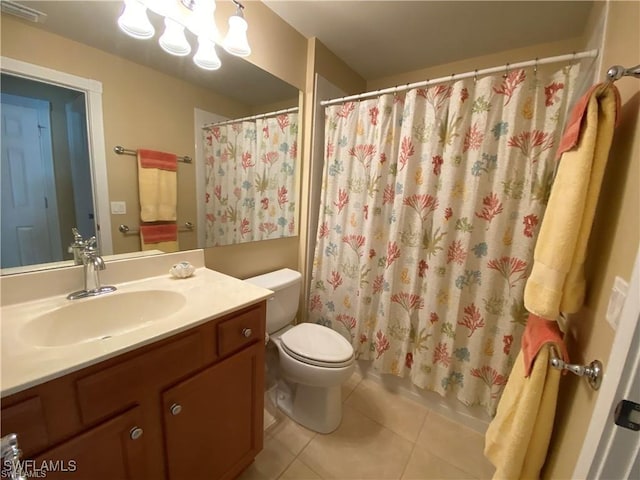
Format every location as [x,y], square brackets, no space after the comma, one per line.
[331,67]
[612,248]
[249,259]
[477,63]
[272,107]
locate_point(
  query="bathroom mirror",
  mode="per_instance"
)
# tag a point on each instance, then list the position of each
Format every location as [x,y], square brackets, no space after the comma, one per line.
[237,90]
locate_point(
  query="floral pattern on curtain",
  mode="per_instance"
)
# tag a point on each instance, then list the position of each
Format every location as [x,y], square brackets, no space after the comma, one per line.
[430,208]
[250,180]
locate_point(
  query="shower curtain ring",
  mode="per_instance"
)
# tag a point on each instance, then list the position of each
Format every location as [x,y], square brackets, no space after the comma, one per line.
[475,76]
[506,71]
[535,68]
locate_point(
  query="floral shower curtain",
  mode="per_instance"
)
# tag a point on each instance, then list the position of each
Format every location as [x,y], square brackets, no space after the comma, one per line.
[250,180]
[429,214]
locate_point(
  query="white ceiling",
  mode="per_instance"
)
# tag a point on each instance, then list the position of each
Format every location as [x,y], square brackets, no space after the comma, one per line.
[381,38]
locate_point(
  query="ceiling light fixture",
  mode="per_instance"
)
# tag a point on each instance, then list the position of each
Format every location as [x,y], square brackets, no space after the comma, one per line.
[198,17]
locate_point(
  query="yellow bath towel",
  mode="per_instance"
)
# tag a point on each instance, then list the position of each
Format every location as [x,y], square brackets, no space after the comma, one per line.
[556,283]
[157,181]
[517,439]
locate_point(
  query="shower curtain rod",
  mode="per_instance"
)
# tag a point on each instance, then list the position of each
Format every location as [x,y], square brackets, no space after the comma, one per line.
[460,76]
[253,117]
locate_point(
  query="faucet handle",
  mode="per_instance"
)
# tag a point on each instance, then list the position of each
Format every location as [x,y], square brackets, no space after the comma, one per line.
[89,250]
[77,237]
[77,246]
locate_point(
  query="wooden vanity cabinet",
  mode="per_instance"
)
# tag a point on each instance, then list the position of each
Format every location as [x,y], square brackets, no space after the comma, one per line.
[113,450]
[212,428]
[187,407]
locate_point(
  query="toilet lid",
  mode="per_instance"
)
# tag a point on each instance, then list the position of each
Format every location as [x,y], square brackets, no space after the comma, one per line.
[316,344]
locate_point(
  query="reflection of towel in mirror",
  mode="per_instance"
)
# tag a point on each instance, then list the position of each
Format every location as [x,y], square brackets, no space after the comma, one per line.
[157,181]
[159,236]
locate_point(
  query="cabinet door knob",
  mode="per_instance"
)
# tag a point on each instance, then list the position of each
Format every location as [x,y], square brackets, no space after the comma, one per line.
[246,332]
[175,409]
[135,433]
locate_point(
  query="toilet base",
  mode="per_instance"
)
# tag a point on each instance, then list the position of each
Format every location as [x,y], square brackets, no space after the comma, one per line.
[316,408]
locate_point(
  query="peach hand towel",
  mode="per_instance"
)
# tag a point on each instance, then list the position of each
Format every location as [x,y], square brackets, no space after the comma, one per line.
[539,332]
[518,437]
[556,283]
[157,181]
[159,236]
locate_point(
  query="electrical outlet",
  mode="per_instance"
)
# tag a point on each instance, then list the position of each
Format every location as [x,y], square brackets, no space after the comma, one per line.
[118,208]
[616,301]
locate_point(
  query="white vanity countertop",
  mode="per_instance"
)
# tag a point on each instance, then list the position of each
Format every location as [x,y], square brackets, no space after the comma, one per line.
[208,294]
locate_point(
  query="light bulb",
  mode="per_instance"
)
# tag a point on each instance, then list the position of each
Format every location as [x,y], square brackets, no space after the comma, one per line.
[236,42]
[206,57]
[202,21]
[173,40]
[134,20]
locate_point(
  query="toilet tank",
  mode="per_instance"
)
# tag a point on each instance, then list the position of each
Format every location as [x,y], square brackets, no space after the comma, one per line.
[283,306]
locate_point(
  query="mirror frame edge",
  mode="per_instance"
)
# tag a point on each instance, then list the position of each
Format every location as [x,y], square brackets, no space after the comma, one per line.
[95,133]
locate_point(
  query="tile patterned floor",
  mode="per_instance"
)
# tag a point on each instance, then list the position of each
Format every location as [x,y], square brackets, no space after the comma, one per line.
[382,436]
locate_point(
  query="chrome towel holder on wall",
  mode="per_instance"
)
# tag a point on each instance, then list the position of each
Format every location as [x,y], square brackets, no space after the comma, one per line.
[120,150]
[592,372]
[616,72]
[188,227]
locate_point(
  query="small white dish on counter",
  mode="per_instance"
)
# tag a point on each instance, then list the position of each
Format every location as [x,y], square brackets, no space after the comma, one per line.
[182,270]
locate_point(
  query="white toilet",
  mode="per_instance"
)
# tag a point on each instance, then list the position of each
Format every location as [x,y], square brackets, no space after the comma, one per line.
[314,360]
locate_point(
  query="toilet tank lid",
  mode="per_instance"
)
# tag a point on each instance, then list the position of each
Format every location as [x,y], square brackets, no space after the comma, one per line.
[276,280]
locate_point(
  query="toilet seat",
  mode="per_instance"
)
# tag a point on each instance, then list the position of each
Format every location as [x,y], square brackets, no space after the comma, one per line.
[317,345]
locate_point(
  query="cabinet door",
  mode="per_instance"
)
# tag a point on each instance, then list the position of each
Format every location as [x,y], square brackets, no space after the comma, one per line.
[213,421]
[112,450]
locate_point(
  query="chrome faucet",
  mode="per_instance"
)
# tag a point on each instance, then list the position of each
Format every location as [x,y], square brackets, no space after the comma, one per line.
[92,264]
[10,455]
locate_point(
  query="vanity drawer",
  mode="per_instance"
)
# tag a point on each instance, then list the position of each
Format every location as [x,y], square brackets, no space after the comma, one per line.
[114,388]
[26,419]
[240,331]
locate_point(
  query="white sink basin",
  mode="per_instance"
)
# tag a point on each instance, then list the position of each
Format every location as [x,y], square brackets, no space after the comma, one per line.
[101,317]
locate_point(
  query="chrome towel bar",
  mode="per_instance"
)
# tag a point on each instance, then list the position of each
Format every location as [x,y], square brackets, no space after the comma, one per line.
[616,72]
[126,151]
[592,372]
[188,227]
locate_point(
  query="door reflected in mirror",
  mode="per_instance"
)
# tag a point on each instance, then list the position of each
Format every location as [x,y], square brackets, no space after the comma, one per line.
[46,173]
